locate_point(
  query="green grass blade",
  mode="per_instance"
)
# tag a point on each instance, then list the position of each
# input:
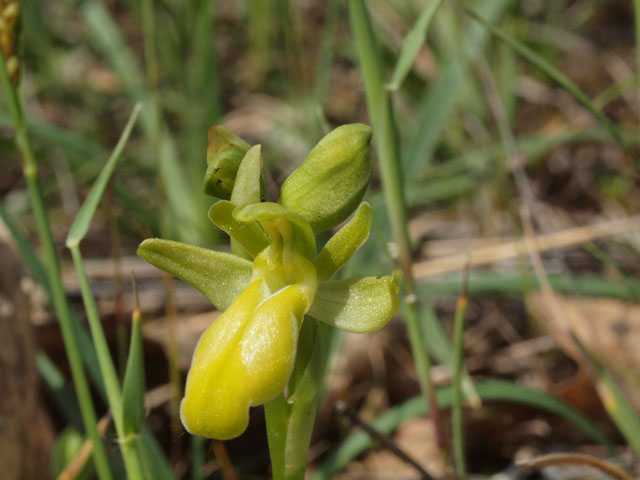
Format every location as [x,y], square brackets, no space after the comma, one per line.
[510,284]
[489,390]
[325,57]
[56,384]
[107,369]
[439,100]
[179,193]
[458,375]
[152,457]
[133,387]
[386,140]
[25,248]
[412,43]
[82,221]
[29,256]
[560,78]
[614,401]
[57,293]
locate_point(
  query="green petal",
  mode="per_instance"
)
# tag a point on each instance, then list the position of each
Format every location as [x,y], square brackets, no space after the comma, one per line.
[249,184]
[304,238]
[219,276]
[344,244]
[358,305]
[247,234]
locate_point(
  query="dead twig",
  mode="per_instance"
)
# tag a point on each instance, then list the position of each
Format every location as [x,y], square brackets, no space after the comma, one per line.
[562,459]
[343,409]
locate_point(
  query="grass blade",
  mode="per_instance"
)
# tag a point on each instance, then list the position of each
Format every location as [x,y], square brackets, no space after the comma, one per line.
[133,386]
[412,43]
[437,103]
[179,193]
[614,401]
[82,221]
[57,293]
[560,78]
[486,282]
[458,371]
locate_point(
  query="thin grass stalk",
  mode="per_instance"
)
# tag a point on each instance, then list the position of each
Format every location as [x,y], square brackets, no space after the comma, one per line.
[52,267]
[197,450]
[560,78]
[152,72]
[379,105]
[109,375]
[457,395]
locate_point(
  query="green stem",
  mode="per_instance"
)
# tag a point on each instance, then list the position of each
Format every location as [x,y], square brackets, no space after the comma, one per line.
[131,457]
[275,413]
[107,369]
[302,403]
[457,396]
[58,298]
[63,313]
[379,105]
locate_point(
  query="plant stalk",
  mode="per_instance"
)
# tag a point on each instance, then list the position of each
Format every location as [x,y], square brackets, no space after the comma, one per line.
[379,105]
[110,377]
[58,298]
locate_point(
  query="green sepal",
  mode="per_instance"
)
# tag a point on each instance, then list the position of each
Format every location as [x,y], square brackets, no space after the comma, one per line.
[248,234]
[303,237]
[246,189]
[357,305]
[219,276]
[344,244]
[225,152]
[328,186]
[133,386]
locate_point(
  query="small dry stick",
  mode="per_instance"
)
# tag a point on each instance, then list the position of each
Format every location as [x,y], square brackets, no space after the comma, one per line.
[560,459]
[353,416]
[75,466]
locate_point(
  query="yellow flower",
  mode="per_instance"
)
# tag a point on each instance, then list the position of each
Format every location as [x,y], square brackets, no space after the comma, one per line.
[245,357]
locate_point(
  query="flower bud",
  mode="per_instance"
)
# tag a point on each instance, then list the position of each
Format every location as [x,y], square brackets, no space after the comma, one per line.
[328,186]
[225,151]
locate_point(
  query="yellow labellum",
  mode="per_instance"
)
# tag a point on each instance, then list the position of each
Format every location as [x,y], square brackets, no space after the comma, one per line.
[245,358]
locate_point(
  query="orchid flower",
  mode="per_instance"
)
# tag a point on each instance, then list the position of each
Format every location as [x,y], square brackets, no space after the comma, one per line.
[246,357]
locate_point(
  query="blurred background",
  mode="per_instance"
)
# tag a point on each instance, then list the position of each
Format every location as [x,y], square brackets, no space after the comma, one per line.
[499,159]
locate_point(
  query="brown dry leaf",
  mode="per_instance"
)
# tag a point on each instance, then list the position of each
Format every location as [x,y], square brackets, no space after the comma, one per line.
[416,438]
[609,328]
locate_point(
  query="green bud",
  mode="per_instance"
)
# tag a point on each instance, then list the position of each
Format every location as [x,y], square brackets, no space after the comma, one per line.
[225,151]
[332,180]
